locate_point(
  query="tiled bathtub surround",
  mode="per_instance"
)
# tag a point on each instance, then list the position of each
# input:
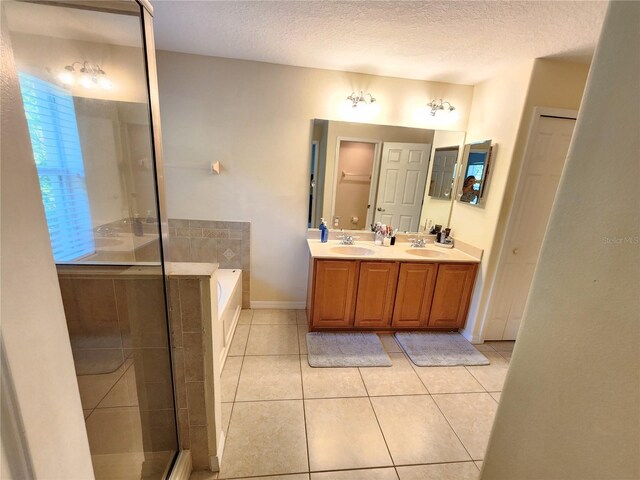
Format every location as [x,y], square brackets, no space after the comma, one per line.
[211,241]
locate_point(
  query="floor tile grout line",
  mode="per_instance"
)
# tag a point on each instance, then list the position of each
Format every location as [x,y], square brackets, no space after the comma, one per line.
[235,394]
[476,378]
[452,429]
[384,439]
[304,407]
[362,396]
[413,365]
[107,393]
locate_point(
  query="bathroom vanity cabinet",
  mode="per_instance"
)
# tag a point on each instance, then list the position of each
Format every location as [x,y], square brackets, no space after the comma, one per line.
[389,295]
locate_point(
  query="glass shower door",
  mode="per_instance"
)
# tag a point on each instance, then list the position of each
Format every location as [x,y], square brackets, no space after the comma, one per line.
[82,72]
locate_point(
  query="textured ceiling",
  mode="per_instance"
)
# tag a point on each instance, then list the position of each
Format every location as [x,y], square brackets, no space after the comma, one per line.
[452,41]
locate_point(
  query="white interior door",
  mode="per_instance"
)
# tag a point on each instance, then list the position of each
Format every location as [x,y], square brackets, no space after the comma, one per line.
[444,165]
[403,176]
[528,224]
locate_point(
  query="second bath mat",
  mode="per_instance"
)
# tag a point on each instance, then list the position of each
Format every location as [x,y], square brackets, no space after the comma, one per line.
[440,349]
[346,350]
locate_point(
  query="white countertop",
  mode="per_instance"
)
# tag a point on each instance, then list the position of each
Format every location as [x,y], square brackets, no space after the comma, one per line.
[397,252]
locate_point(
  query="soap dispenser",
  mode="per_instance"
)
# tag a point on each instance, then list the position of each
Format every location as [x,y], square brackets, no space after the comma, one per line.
[324,231]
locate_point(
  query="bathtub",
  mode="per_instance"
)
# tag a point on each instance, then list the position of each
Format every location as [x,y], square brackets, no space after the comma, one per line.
[229,306]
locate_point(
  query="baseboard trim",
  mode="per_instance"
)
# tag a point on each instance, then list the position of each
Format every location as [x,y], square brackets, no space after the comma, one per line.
[215,460]
[183,466]
[261,305]
[475,339]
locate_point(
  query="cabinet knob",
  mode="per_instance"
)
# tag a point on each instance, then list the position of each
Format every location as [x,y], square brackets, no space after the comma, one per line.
[515,251]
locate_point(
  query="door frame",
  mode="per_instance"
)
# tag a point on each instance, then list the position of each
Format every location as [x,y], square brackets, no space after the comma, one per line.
[373,190]
[538,113]
[315,146]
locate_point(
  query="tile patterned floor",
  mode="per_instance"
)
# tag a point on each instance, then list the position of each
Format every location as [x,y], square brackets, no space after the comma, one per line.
[287,421]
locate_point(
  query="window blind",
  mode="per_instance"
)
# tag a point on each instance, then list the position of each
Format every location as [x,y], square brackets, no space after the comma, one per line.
[55,141]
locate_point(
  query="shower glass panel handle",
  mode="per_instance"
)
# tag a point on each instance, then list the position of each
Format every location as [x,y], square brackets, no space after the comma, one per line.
[84,80]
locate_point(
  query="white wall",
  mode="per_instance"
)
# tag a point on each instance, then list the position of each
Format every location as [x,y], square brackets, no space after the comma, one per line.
[34,330]
[570,405]
[256,119]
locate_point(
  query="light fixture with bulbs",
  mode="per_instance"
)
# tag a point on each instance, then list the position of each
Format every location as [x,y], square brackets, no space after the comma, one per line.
[440,105]
[87,75]
[364,98]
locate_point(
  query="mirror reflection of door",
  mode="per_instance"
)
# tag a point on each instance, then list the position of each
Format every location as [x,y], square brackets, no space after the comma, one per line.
[356,162]
[403,177]
[313,183]
[443,172]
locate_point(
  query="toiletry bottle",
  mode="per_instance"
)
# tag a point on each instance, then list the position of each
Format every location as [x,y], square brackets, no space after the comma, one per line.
[324,231]
[137,225]
[149,218]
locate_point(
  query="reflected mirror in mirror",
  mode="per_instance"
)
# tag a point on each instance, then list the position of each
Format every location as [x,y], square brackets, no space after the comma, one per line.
[443,172]
[362,174]
[474,174]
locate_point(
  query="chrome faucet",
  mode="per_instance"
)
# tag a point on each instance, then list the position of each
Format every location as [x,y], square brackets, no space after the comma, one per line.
[418,242]
[347,239]
[107,231]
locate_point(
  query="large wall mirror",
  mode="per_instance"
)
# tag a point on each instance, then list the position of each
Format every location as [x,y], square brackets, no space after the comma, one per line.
[475,173]
[362,174]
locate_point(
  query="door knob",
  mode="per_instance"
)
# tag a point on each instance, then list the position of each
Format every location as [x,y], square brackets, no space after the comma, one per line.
[380,209]
[515,251]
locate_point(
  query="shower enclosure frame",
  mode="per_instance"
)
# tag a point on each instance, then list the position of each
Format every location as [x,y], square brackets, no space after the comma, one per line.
[180,466]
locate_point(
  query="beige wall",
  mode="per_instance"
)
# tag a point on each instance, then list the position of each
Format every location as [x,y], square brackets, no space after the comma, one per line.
[34,331]
[46,56]
[569,409]
[256,119]
[495,114]
[352,194]
[502,111]
[112,125]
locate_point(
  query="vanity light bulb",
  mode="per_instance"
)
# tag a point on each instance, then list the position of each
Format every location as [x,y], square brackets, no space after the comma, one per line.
[105,83]
[86,81]
[67,77]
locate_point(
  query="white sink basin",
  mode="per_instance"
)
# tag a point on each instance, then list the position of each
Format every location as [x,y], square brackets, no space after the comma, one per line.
[352,250]
[423,252]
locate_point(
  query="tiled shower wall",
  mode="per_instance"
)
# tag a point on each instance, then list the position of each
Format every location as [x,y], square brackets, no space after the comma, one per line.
[118,333]
[211,241]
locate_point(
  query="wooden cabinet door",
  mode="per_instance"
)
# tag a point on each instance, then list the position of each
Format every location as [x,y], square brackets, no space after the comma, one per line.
[334,293]
[452,295]
[376,294]
[413,298]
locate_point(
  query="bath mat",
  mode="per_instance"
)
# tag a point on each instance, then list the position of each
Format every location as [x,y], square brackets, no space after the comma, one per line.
[346,350]
[440,349]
